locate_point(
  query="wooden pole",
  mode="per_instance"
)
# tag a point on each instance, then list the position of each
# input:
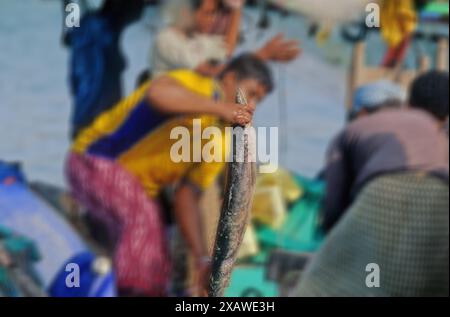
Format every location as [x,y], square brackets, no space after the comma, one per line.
[442,55]
[356,71]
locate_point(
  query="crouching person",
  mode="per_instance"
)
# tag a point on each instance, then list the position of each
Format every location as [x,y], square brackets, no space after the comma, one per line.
[386,207]
[118,166]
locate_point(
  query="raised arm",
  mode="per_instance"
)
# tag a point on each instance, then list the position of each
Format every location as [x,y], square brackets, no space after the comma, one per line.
[166,95]
[278,49]
[232,36]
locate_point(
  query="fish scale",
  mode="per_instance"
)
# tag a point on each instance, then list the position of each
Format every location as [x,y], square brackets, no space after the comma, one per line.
[241,177]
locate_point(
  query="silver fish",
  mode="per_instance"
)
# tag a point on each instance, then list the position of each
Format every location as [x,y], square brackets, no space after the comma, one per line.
[240,185]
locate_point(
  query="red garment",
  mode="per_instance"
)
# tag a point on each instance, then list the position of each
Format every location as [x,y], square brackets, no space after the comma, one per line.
[111,194]
[395,55]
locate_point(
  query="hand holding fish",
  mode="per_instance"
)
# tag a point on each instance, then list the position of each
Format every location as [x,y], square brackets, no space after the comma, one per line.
[236,114]
[235,213]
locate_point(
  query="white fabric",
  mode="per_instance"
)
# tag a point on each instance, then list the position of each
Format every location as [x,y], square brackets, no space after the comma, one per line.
[174,50]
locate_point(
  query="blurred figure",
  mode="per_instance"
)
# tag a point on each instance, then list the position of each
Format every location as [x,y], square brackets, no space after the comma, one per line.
[227,21]
[119,165]
[386,207]
[375,96]
[339,174]
[185,43]
[386,141]
[188,42]
[429,92]
[97,61]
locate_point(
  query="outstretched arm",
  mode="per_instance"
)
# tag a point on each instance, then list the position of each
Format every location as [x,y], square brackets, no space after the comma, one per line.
[278,49]
[168,96]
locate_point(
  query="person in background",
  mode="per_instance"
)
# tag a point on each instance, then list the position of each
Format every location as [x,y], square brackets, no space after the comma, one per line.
[184,44]
[371,98]
[97,61]
[386,208]
[119,165]
[188,42]
[367,99]
[375,96]
[227,21]
[429,92]
[386,141]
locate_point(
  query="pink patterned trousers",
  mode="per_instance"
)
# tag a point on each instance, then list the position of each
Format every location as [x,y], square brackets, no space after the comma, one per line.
[115,197]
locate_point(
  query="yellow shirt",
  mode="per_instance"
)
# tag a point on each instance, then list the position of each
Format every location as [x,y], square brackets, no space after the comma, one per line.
[139,138]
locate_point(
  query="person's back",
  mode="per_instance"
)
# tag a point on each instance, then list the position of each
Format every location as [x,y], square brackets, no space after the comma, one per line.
[138,137]
[386,210]
[396,140]
[392,241]
[389,141]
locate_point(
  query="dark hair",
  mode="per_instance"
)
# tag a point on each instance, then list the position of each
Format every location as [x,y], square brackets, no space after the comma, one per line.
[122,12]
[196,4]
[248,66]
[430,93]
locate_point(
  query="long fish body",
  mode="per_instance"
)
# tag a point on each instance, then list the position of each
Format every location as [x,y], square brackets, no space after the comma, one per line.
[240,185]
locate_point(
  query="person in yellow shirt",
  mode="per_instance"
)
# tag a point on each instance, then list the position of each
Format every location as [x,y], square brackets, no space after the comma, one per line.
[118,165]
